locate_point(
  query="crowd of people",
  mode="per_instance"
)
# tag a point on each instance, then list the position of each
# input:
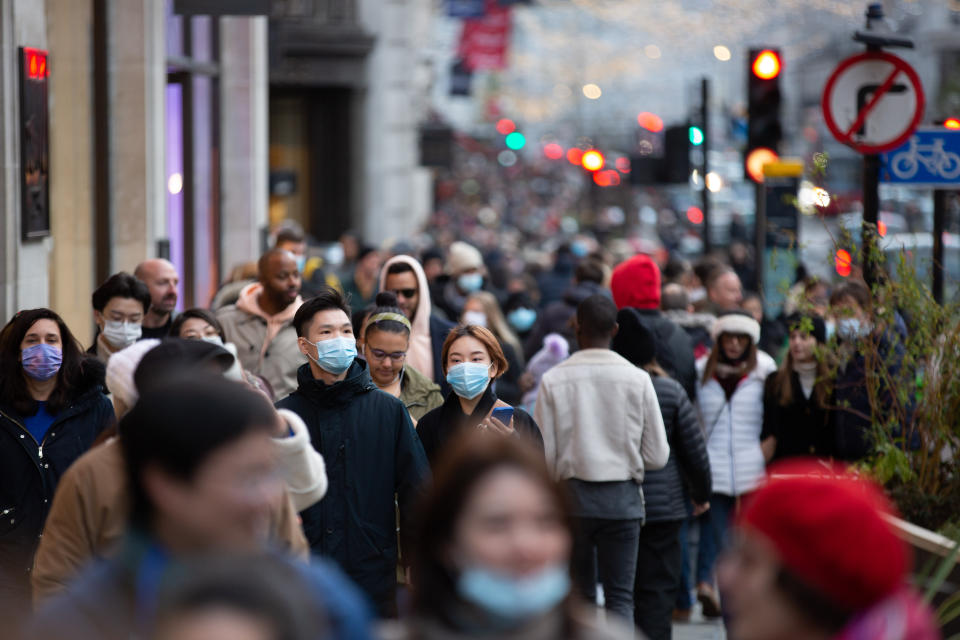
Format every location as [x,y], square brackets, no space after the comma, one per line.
[453,441]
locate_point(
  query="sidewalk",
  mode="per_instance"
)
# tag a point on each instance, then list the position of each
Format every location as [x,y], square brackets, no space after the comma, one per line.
[699,628]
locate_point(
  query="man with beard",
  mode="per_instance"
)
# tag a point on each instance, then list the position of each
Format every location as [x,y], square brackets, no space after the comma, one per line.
[161,278]
[261,323]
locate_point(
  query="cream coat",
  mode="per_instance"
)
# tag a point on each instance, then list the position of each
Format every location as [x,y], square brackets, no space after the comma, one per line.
[600,419]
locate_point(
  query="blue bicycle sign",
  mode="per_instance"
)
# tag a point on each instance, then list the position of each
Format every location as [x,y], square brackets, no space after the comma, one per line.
[930,158]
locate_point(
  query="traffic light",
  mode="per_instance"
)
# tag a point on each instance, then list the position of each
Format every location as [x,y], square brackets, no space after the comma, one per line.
[676,154]
[764,130]
[952,123]
[696,135]
[592,160]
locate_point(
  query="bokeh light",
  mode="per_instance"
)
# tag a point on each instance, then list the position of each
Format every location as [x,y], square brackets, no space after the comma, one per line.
[652,51]
[553,151]
[721,53]
[592,91]
[592,160]
[516,141]
[695,215]
[650,121]
[505,126]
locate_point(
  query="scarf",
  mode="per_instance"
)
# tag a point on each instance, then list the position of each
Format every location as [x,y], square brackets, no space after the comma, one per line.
[730,373]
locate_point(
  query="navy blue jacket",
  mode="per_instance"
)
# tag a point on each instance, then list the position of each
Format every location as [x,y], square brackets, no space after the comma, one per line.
[371,452]
[439,328]
[30,471]
[117,597]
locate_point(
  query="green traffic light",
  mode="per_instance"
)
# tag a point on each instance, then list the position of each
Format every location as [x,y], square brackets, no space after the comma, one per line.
[696,136]
[516,141]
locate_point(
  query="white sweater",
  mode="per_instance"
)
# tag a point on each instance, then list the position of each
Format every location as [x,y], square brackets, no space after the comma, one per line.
[600,419]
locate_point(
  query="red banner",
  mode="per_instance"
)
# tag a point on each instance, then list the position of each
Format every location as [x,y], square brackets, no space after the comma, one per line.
[484,41]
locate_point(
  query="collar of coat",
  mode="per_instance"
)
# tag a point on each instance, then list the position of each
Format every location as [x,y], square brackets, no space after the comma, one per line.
[357,382]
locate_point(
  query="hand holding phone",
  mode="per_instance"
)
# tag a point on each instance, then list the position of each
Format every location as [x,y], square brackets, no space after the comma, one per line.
[503,414]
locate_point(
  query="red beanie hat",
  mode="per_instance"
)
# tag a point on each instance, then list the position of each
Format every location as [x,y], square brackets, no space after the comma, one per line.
[636,283]
[830,531]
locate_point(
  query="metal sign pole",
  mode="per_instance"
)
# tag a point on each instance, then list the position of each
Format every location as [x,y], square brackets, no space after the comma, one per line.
[939,213]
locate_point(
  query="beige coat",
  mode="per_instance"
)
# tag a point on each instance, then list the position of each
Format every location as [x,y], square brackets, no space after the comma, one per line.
[600,419]
[88,518]
[266,345]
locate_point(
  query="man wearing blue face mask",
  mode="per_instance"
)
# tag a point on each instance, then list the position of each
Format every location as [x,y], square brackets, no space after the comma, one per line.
[370,447]
[465,275]
[851,304]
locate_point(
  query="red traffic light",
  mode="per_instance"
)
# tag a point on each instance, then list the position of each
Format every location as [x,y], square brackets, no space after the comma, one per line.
[843,262]
[695,215]
[607,178]
[766,65]
[592,160]
[505,126]
[650,121]
[756,159]
[952,123]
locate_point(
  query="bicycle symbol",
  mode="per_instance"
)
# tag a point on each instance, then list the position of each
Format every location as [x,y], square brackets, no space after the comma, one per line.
[946,164]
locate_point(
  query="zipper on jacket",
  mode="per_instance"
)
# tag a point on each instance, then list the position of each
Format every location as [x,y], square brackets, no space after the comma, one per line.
[27,433]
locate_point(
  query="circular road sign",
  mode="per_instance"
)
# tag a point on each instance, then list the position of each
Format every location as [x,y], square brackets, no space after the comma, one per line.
[873,101]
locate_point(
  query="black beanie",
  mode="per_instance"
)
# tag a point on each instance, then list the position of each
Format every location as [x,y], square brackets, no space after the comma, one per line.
[633,340]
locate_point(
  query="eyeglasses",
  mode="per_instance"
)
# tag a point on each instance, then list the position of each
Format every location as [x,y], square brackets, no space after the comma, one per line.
[406,293]
[380,356]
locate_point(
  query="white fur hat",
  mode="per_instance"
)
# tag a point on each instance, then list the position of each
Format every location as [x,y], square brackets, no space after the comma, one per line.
[120,369]
[738,323]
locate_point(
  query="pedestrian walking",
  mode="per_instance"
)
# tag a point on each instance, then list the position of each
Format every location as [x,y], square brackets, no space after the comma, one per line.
[797,420]
[815,556]
[482,309]
[203,479]
[119,307]
[667,491]
[52,409]
[403,277]
[602,431]
[89,513]
[635,284]
[162,279]
[472,361]
[730,402]
[261,322]
[371,451]
[386,339]
[465,274]
[857,335]
[492,552]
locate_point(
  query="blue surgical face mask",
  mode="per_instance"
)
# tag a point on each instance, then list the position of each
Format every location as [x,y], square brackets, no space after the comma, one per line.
[522,319]
[852,328]
[41,361]
[514,599]
[831,328]
[470,282]
[469,379]
[335,355]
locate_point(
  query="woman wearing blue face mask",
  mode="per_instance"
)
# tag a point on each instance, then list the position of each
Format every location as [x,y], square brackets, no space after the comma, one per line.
[472,360]
[52,408]
[493,553]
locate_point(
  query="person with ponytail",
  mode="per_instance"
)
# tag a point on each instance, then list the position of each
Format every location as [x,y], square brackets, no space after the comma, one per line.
[386,338]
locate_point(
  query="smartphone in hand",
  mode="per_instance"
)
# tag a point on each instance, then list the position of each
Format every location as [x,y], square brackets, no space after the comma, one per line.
[503,414]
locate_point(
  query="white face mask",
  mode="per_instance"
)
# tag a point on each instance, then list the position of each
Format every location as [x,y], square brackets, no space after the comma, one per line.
[213,340]
[121,334]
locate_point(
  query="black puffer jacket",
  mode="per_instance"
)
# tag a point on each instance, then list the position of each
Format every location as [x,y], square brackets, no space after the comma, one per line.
[30,471]
[688,468]
[372,452]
